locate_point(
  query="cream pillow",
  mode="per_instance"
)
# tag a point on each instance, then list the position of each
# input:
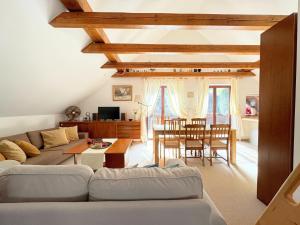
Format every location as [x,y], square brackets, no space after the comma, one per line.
[54,138]
[12,151]
[71,132]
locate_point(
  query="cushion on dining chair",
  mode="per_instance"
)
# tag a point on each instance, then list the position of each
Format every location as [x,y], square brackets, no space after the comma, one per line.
[194,143]
[218,144]
[171,143]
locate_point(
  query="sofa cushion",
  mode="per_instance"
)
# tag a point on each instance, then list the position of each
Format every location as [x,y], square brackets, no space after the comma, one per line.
[48,158]
[12,151]
[71,132]
[36,139]
[64,147]
[145,183]
[22,137]
[29,149]
[60,183]
[54,138]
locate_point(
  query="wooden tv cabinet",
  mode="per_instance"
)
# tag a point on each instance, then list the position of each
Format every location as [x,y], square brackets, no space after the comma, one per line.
[107,129]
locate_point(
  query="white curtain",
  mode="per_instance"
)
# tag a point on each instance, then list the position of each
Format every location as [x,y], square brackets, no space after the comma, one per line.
[151,89]
[175,88]
[236,120]
[202,97]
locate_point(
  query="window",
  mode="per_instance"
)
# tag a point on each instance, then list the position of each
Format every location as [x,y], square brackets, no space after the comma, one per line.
[162,109]
[218,105]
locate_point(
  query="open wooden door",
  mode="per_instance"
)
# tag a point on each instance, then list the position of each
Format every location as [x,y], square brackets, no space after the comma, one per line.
[277,107]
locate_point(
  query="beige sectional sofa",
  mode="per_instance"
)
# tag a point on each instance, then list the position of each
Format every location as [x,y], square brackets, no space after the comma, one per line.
[50,156]
[75,195]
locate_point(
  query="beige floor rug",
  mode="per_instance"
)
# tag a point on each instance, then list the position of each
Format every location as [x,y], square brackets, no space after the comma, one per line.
[234,189]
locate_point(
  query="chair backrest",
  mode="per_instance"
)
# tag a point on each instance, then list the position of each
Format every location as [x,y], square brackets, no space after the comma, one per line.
[220,132]
[171,128]
[200,121]
[194,132]
[182,123]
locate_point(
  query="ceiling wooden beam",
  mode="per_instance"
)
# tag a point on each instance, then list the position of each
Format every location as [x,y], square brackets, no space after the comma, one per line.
[164,20]
[97,35]
[170,48]
[131,65]
[183,74]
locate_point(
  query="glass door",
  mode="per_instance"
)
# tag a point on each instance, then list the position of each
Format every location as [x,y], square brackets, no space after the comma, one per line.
[218,105]
[162,110]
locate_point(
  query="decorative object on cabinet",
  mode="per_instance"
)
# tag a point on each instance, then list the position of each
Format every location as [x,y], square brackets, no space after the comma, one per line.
[72,112]
[87,116]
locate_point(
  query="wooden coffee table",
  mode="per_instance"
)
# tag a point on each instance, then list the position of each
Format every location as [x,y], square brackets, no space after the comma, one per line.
[114,155]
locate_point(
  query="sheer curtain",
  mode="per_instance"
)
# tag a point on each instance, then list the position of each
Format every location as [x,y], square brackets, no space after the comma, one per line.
[175,88]
[151,89]
[202,97]
[236,120]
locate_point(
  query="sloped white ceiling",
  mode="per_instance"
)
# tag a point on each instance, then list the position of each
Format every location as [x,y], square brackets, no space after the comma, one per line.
[42,69]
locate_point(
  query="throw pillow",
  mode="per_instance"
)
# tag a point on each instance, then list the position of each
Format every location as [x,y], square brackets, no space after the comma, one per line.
[54,138]
[173,166]
[2,158]
[12,151]
[71,132]
[29,149]
[151,165]
[133,166]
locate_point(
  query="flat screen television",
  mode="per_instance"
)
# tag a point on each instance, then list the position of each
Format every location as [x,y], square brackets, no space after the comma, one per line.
[109,113]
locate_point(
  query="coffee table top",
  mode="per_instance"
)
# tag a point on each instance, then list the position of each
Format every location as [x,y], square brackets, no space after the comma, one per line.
[77,149]
[100,151]
[119,146]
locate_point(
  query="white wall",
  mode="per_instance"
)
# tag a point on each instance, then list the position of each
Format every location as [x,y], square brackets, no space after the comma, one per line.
[247,87]
[297,114]
[103,96]
[20,124]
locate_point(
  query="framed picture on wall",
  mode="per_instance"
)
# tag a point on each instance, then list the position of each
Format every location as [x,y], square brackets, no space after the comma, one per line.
[122,92]
[252,106]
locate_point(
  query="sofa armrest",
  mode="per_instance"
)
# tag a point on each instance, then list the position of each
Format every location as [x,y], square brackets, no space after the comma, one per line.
[83,135]
[7,164]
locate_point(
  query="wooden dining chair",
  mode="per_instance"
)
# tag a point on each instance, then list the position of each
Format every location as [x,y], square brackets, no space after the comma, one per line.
[200,121]
[194,141]
[219,140]
[171,138]
[181,124]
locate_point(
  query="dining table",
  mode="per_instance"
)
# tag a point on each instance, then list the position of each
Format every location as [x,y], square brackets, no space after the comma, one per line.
[158,130]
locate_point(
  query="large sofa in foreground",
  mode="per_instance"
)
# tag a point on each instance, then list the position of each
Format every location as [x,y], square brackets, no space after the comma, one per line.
[49,156]
[75,195]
